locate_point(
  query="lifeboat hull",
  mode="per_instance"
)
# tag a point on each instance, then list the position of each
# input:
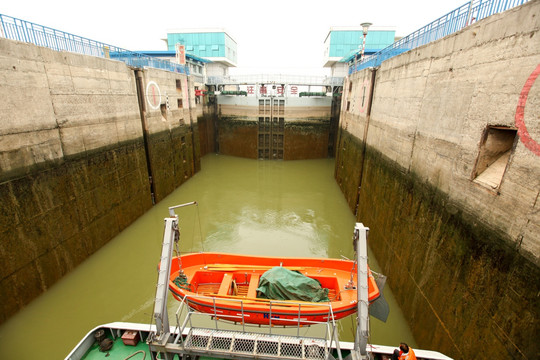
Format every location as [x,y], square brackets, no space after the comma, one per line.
[225,285]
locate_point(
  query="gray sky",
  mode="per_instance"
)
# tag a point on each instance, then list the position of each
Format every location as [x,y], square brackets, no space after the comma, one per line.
[278,34]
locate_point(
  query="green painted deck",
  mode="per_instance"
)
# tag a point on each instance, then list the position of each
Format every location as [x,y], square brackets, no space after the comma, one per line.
[118,351]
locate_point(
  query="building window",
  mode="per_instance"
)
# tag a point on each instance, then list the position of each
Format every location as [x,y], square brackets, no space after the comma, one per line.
[348,105]
[494,155]
[180,105]
[178,84]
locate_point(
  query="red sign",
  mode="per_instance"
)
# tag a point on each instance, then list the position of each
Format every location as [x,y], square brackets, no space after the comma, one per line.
[251,89]
[279,90]
[180,54]
[262,90]
[294,90]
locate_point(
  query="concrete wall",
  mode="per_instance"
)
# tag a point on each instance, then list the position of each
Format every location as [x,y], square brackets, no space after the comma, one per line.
[462,256]
[207,125]
[306,129]
[73,160]
[170,118]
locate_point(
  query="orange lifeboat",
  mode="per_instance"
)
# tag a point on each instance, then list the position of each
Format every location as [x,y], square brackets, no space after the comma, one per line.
[226,285]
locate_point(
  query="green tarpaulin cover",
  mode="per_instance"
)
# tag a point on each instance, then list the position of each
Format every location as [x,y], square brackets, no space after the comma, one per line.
[282,284]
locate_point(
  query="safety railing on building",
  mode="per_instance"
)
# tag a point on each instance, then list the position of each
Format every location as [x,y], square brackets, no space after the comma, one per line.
[21,30]
[454,21]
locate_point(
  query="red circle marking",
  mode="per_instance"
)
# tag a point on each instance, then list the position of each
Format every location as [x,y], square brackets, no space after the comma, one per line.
[526,139]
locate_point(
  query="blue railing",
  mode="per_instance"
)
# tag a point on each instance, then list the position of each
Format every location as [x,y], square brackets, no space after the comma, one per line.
[21,30]
[453,21]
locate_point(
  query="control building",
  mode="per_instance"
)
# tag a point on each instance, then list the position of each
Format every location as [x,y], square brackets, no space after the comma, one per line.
[343,43]
[215,45]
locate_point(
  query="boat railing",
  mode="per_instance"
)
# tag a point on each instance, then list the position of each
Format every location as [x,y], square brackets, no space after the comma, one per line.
[330,336]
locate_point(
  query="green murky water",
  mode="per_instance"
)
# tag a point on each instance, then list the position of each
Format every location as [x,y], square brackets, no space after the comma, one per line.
[272,208]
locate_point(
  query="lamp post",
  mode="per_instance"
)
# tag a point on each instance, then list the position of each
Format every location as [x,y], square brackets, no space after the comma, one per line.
[365,26]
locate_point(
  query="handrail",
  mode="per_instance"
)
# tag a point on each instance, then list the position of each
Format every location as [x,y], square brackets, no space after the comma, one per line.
[25,31]
[450,23]
[330,333]
[270,302]
[275,79]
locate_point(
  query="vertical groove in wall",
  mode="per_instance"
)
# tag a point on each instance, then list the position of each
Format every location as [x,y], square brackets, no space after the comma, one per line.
[364,140]
[206,124]
[142,110]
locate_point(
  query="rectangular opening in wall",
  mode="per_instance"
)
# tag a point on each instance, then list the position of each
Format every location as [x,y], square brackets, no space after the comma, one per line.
[348,105]
[180,105]
[178,84]
[493,157]
[163,108]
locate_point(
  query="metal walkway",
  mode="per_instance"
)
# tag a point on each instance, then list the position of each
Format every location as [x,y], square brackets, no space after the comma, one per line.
[194,337]
[241,344]
[224,343]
